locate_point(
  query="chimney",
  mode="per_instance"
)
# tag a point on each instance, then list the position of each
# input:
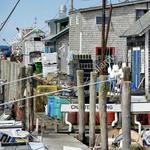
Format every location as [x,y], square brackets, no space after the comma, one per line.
[62,11]
[71,5]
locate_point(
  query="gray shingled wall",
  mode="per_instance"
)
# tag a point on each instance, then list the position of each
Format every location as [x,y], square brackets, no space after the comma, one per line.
[63,41]
[74,34]
[122,18]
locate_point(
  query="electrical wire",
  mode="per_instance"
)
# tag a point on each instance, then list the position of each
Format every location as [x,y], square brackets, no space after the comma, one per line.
[9,15]
[48,93]
[40,27]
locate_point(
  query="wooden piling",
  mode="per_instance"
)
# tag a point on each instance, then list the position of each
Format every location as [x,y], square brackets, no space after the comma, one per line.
[29,113]
[22,89]
[81,102]
[103,112]
[7,78]
[126,107]
[92,109]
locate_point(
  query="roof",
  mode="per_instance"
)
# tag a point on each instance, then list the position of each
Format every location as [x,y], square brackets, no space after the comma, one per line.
[61,33]
[141,26]
[114,5]
[34,30]
[58,20]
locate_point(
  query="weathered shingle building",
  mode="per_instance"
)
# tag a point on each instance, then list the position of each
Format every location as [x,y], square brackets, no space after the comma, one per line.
[29,44]
[85,27]
[58,38]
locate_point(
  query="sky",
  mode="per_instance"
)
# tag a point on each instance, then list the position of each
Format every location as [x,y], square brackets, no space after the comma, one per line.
[27,10]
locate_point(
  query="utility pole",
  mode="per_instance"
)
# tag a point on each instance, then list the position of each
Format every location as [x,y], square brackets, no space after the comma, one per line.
[81,103]
[109,23]
[102,88]
[126,107]
[93,76]
[103,32]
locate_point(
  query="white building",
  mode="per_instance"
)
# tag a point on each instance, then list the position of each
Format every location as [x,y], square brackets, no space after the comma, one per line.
[29,42]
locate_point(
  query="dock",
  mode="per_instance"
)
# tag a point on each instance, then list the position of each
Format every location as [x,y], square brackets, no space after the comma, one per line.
[60,141]
[55,142]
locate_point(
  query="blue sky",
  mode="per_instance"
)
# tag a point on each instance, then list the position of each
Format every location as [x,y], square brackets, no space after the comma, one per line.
[27,10]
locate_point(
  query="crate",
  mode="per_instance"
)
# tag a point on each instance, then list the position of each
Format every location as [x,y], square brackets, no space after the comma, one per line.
[41,101]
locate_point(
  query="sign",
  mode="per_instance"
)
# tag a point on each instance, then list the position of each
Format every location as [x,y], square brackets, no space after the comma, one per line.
[135,107]
[74,108]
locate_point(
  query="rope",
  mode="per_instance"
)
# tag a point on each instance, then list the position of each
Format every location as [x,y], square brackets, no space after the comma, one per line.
[48,93]
[21,79]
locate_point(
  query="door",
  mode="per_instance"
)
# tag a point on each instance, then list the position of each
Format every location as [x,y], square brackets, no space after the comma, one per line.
[136,67]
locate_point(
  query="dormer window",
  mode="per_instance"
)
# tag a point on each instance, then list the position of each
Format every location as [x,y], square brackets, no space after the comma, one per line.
[37,39]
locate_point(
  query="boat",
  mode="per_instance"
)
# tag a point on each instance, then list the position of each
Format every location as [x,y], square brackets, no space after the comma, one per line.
[12,135]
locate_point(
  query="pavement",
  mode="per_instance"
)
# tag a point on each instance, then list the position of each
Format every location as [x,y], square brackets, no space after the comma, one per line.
[63,142]
[55,142]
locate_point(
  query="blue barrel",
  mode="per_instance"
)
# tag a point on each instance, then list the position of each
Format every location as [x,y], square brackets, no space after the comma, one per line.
[51,110]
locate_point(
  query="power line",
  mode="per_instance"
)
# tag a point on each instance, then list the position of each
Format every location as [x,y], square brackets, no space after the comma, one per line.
[9,15]
[48,93]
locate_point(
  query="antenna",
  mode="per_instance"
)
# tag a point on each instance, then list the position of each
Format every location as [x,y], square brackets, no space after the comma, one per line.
[35,22]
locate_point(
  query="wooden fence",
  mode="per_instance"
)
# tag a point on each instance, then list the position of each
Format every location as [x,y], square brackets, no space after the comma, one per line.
[11,71]
[14,90]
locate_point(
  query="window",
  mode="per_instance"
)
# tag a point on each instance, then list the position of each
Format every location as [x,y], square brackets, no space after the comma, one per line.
[50,49]
[99,20]
[140,13]
[77,19]
[37,39]
[63,25]
[70,21]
